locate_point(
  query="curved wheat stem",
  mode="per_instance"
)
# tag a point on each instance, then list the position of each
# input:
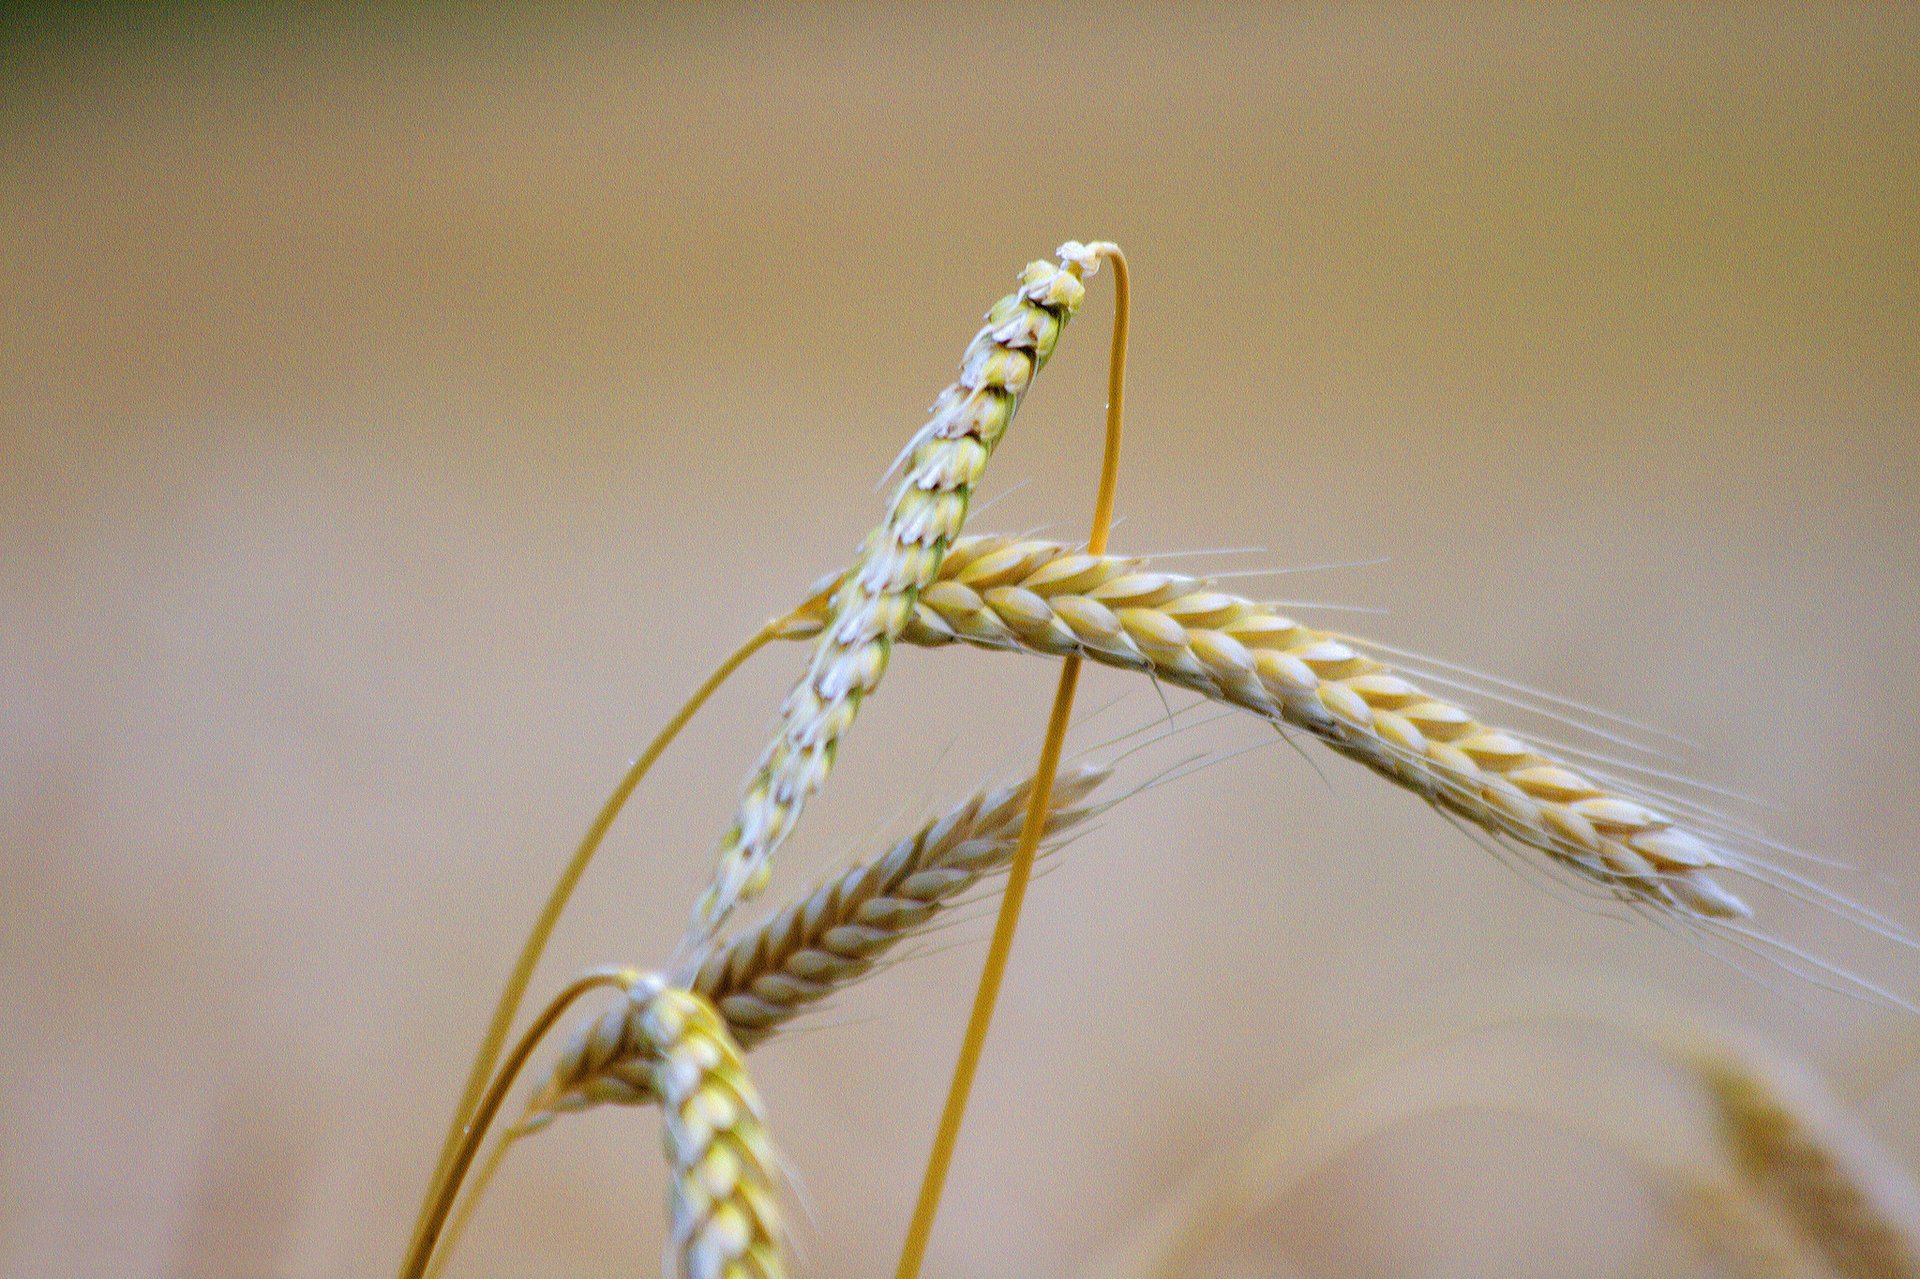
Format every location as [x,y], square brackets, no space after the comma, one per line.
[818,945]
[875,598]
[515,988]
[1042,597]
[440,1200]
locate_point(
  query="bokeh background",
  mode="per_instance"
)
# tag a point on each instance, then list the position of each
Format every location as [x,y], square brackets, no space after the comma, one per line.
[399,412]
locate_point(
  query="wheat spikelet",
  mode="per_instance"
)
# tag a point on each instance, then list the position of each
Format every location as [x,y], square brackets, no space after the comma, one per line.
[1041,597]
[819,944]
[875,599]
[1846,1199]
[723,1218]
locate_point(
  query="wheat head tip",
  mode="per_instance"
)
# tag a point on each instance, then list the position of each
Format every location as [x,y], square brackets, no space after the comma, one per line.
[875,597]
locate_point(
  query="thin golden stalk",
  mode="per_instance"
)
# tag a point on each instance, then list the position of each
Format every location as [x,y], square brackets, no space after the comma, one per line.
[440,1203]
[475,1191]
[993,971]
[535,944]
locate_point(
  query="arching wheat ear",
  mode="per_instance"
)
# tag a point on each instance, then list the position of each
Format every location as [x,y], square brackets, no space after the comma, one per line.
[1041,597]
[818,945]
[875,598]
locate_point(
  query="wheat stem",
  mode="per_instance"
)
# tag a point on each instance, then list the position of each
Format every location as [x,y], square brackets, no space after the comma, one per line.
[993,970]
[475,1130]
[535,944]
[476,1189]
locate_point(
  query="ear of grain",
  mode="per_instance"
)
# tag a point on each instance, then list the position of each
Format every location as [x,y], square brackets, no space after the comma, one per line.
[820,944]
[723,1215]
[1843,1195]
[876,597]
[1041,597]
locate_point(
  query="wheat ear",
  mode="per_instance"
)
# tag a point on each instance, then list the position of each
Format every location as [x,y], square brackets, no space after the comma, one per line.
[1859,1209]
[820,944]
[875,599]
[1041,597]
[722,1211]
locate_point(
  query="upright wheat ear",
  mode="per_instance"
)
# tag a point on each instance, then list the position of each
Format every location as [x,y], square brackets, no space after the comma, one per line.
[875,599]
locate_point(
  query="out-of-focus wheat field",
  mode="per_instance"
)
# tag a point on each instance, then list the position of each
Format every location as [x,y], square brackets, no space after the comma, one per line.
[400,413]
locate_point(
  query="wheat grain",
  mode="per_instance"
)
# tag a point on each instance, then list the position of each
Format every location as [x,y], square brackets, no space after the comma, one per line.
[1845,1198]
[1042,597]
[820,944]
[876,597]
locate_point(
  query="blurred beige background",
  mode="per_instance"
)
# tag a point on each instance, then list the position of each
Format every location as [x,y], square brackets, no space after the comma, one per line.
[398,416]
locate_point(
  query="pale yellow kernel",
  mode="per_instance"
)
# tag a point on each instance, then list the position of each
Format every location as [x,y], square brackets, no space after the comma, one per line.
[1615,813]
[985,415]
[1397,731]
[1022,609]
[1008,369]
[1383,691]
[1068,574]
[1625,862]
[1134,589]
[1089,619]
[996,568]
[1331,659]
[1510,801]
[1152,628]
[951,598]
[1452,759]
[1004,309]
[1566,825]
[1221,654]
[1203,608]
[1284,673]
[718,1171]
[1495,749]
[1440,721]
[1264,630]
[1700,893]
[1672,847]
[1550,781]
[729,1230]
[1346,704]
